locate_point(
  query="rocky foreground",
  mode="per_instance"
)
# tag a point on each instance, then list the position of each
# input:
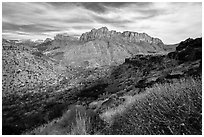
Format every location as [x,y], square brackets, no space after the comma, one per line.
[38,87]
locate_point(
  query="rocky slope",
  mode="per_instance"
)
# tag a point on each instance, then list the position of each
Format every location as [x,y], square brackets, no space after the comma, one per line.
[37,88]
[32,84]
[22,69]
[143,71]
[130,79]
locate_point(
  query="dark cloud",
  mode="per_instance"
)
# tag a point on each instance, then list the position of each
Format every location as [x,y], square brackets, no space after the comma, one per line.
[116,4]
[102,7]
[81,27]
[9,26]
[77,20]
[61,4]
[28,28]
[143,4]
[112,21]
[94,6]
[147,14]
[99,7]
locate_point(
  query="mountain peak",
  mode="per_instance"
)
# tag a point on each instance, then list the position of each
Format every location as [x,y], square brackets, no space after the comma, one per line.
[104,29]
[127,36]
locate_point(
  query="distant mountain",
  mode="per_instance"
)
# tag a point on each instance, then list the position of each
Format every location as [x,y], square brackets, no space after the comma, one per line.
[9,42]
[170,47]
[103,47]
[126,36]
[99,47]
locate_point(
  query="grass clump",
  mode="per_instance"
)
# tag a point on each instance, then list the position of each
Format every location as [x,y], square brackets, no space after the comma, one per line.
[81,127]
[168,109]
[76,121]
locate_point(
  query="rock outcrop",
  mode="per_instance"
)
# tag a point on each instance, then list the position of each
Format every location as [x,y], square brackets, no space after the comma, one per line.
[127,36]
[188,50]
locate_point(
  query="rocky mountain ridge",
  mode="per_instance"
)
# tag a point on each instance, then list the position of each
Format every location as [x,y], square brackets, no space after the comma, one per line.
[104,33]
[99,47]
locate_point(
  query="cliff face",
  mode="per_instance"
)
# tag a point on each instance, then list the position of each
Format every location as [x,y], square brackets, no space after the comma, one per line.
[133,37]
[95,53]
[99,47]
[103,47]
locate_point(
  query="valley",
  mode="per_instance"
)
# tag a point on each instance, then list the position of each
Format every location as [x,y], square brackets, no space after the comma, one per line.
[41,81]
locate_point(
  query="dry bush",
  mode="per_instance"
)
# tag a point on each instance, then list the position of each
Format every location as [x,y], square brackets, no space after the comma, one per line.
[169,108]
[81,127]
[76,121]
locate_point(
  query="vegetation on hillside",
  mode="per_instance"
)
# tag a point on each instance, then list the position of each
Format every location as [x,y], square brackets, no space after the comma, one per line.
[169,108]
[164,109]
[147,94]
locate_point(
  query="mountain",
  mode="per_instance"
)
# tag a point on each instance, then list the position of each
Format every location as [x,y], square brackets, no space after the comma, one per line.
[99,47]
[39,85]
[59,41]
[132,79]
[170,47]
[126,36]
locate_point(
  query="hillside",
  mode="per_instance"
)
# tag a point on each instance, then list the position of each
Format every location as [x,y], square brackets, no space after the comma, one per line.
[31,82]
[38,87]
[131,83]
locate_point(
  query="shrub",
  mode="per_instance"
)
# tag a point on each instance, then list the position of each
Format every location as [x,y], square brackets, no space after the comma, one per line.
[76,121]
[81,121]
[169,108]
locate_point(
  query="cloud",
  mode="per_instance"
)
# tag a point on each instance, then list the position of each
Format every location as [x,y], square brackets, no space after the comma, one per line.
[96,7]
[101,7]
[171,22]
[32,28]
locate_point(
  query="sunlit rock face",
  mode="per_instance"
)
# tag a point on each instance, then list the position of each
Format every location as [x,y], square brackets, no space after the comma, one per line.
[103,47]
[94,54]
[127,36]
[99,47]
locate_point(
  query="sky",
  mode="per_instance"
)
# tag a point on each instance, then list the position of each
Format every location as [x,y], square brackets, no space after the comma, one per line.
[171,22]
